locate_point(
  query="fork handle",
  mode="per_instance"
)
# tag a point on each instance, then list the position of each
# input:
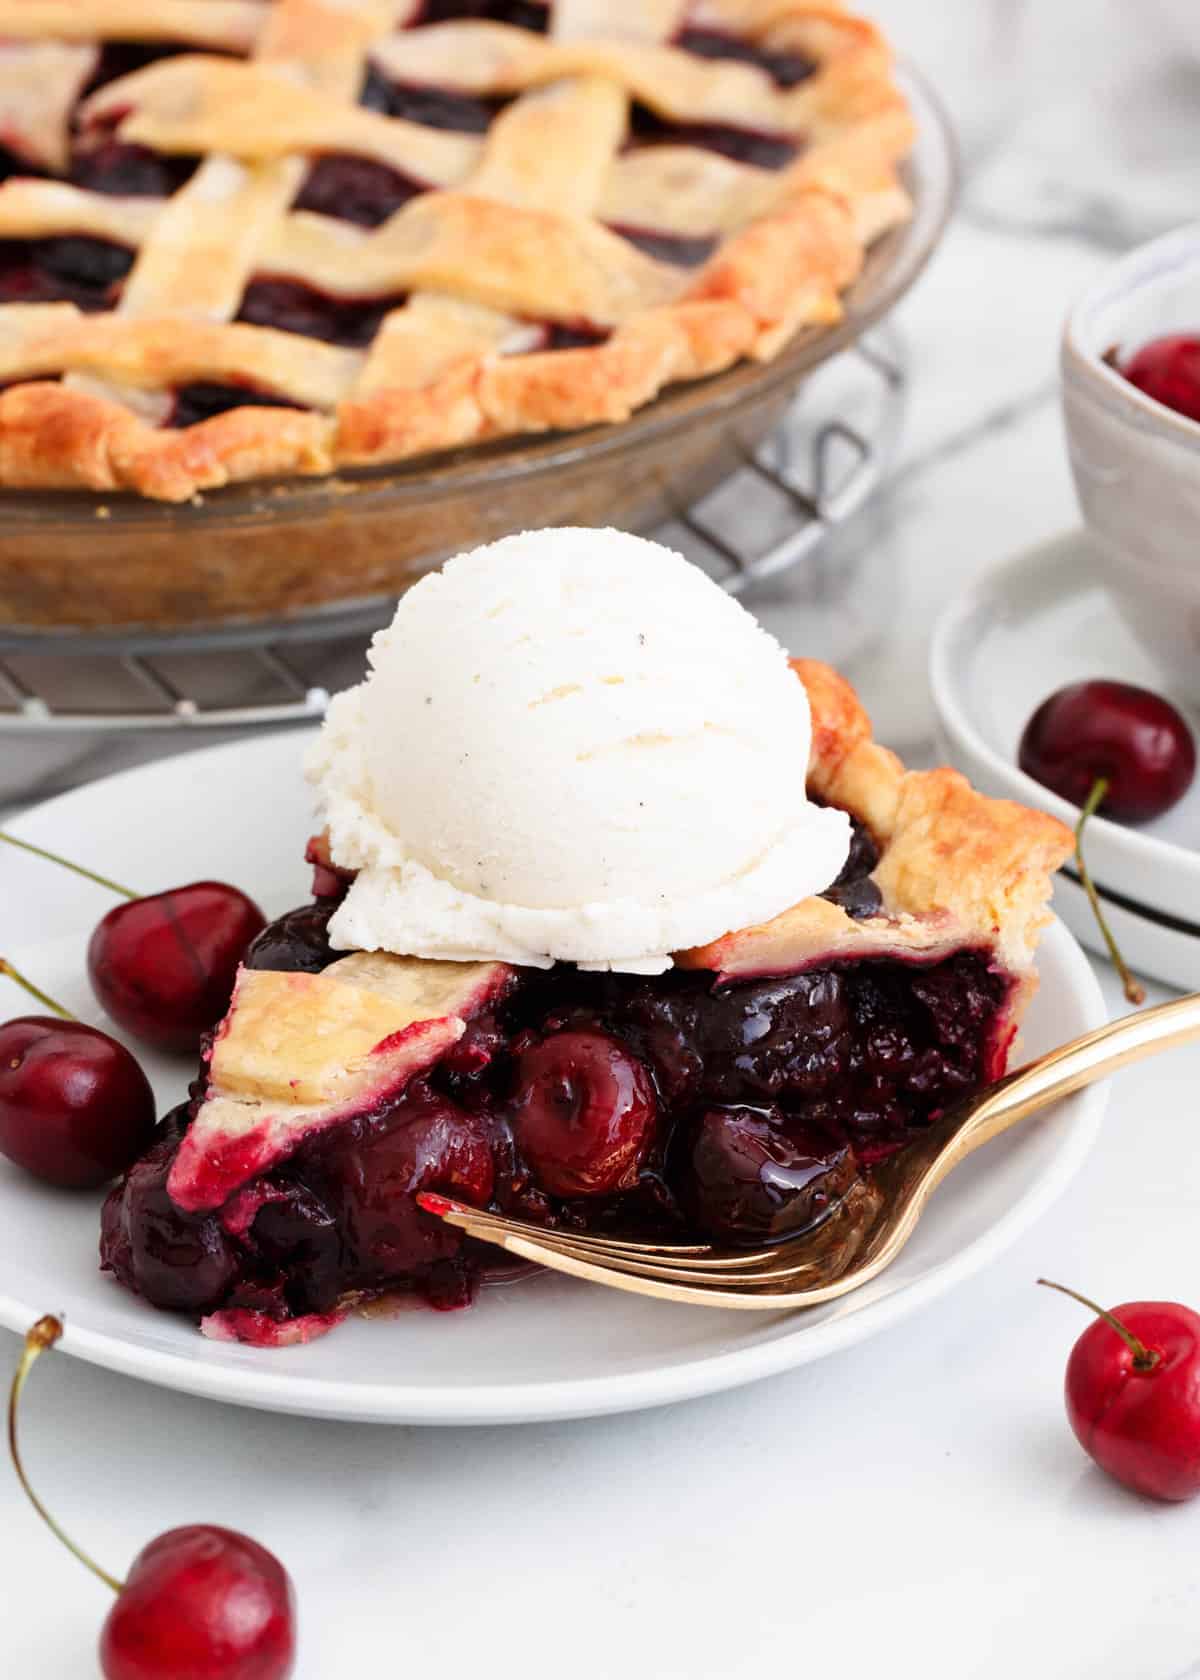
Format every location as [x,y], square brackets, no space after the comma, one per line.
[1147,1032]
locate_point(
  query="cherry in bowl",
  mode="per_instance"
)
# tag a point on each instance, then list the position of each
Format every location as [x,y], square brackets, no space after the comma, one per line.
[1168,369]
[1128,742]
[1115,748]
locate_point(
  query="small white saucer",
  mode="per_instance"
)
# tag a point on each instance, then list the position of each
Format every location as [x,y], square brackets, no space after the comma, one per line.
[1041,620]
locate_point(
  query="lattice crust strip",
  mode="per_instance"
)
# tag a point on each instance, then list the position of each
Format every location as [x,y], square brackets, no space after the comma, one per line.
[642,193]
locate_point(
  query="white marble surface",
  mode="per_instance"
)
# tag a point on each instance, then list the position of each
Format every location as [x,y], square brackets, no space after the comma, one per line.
[916,1506]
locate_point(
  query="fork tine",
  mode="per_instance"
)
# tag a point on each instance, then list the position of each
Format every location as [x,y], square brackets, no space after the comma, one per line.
[692,1287]
[603,1249]
[756,1268]
[635,1282]
[791,1263]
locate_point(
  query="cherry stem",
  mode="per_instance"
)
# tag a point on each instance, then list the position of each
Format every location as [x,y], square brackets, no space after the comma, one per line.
[1144,1358]
[54,857]
[1134,990]
[44,1335]
[35,991]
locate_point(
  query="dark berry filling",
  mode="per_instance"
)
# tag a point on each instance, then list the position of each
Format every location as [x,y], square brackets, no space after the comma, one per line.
[743,145]
[293,307]
[176,1261]
[787,69]
[854,891]
[748,1173]
[460,113]
[130,171]
[104,164]
[683,249]
[290,306]
[355,189]
[68,269]
[859,899]
[204,400]
[12,164]
[559,335]
[297,942]
[520,14]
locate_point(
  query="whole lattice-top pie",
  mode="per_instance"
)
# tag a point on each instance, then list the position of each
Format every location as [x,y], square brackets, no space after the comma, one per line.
[254,237]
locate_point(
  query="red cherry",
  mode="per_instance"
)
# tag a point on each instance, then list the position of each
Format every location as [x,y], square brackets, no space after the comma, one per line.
[749,1177]
[201,1603]
[75,1108]
[1114,747]
[583,1113]
[1128,737]
[1168,369]
[164,966]
[1133,1394]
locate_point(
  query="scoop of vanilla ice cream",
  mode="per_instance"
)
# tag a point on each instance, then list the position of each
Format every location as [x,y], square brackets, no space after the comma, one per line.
[571,745]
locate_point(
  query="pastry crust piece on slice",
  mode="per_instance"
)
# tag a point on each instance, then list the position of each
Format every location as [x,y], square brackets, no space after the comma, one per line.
[957,870]
[298,1053]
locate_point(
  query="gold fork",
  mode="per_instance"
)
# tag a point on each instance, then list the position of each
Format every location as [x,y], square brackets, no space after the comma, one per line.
[866,1229]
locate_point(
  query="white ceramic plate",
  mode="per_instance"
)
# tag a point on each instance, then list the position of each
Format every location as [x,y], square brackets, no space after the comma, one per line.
[1043,619]
[546,1347]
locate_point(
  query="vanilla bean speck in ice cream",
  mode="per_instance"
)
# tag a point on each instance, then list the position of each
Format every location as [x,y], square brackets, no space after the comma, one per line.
[571,745]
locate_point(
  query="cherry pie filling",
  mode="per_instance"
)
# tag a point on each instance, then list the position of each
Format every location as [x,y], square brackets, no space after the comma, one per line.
[90,272]
[669,1106]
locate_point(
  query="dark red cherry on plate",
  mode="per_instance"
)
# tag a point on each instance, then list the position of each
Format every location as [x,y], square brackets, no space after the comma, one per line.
[583,1113]
[1168,369]
[75,1108]
[200,1603]
[164,966]
[1133,1394]
[1127,737]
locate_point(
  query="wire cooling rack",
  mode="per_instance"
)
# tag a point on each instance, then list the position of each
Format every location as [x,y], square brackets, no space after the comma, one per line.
[78,705]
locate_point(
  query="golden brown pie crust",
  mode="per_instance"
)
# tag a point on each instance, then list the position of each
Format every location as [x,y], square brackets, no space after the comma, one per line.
[511,236]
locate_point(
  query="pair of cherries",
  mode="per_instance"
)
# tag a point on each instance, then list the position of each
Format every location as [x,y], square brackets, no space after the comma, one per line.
[200,1602]
[75,1107]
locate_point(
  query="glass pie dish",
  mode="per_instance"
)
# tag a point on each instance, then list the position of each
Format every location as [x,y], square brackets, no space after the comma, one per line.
[85,562]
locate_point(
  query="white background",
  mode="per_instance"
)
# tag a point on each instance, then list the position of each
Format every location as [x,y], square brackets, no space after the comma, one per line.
[913,1507]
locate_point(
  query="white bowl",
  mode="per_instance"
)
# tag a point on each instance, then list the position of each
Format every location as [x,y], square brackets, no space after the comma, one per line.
[1041,620]
[1136,463]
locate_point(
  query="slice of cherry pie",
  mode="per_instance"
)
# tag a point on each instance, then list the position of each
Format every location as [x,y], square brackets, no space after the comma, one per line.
[251,237]
[737,1096]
